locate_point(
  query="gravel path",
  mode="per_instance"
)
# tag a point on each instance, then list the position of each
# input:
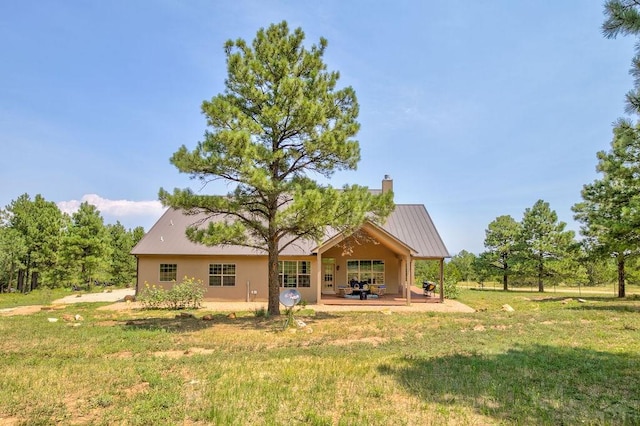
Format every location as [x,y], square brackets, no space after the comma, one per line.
[116,295]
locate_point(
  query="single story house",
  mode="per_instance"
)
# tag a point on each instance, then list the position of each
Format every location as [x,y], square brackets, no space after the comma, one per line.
[384,258]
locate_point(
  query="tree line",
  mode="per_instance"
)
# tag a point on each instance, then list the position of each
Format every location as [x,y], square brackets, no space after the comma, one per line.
[42,246]
[538,251]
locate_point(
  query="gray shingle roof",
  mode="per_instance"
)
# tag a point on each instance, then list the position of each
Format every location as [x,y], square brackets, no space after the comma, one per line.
[409,223]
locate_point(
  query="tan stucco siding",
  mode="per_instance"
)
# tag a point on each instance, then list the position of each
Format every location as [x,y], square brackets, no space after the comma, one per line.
[251,275]
[366,251]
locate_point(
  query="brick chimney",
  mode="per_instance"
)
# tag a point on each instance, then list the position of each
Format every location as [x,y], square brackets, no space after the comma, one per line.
[387,184]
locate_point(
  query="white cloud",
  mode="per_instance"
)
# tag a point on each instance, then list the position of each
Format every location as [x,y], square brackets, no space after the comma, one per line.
[115,208]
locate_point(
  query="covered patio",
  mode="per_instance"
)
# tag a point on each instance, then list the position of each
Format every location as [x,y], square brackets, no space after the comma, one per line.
[416,296]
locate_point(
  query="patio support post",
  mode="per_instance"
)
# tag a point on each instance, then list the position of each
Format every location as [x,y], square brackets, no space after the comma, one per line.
[411,267]
[442,280]
[403,277]
[319,278]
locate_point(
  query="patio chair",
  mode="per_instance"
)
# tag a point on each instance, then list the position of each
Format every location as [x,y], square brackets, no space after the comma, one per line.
[428,288]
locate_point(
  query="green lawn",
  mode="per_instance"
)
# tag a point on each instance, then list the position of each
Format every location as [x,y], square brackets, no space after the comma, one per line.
[552,361]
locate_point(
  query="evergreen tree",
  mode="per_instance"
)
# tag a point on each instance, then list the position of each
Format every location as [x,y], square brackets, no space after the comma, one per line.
[86,244]
[122,266]
[464,262]
[280,119]
[623,17]
[610,210]
[501,239]
[13,250]
[544,242]
[39,223]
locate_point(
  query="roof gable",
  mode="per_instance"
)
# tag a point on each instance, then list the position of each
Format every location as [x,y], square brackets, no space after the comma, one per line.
[409,225]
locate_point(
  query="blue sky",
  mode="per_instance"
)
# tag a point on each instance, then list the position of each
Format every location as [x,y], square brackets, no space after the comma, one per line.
[475,108]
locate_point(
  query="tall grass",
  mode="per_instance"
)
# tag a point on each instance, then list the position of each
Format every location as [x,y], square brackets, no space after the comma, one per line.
[551,361]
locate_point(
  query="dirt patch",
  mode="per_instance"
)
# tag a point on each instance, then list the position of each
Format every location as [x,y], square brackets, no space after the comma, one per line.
[121,355]
[20,310]
[180,354]
[28,310]
[374,341]
[136,389]
[121,306]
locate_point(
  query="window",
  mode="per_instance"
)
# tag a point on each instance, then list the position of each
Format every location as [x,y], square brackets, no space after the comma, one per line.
[168,272]
[294,273]
[222,274]
[370,271]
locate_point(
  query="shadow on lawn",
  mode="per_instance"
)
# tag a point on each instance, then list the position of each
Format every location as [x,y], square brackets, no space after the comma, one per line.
[630,304]
[190,324]
[531,385]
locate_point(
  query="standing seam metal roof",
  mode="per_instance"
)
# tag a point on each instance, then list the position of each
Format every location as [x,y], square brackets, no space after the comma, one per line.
[409,223]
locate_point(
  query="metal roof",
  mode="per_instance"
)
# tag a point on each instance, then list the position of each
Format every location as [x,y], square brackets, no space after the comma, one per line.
[409,223]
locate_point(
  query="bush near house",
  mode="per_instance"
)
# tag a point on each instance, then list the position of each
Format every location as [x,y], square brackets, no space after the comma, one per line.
[184,295]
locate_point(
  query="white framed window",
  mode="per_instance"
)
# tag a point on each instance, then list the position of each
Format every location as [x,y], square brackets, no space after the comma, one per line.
[294,273]
[168,272]
[222,274]
[369,271]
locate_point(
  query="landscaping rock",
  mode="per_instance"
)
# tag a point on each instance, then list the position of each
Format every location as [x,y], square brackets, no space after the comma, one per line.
[232,315]
[129,298]
[78,317]
[207,317]
[185,315]
[507,308]
[582,301]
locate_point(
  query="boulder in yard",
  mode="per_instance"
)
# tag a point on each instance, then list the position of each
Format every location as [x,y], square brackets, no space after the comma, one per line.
[507,308]
[129,298]
[207,317]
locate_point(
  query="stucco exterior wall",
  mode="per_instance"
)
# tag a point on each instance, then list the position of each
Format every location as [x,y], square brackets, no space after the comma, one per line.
[367,251]
[251,275]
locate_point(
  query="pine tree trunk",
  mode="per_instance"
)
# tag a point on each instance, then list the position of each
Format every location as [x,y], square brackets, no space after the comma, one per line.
[21,281]
[34,280]
[621,276]
[505,279]
[272,246]
[540,283]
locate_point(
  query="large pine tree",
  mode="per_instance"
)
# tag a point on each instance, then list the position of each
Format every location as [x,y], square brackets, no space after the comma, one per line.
[544,243]
[280,121]
[610,210]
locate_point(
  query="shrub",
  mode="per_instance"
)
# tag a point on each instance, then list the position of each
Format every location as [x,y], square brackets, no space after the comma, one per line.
[152,297]
[186,294]
[261,312]
[451,290]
